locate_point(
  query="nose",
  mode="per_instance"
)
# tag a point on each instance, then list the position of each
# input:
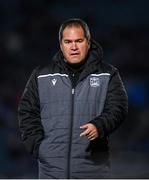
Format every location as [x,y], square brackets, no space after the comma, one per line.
[74,46]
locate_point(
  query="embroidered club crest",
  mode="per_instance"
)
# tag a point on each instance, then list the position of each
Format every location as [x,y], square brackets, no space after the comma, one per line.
[94,82]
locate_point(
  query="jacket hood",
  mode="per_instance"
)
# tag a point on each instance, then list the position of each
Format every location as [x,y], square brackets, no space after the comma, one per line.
[95,52]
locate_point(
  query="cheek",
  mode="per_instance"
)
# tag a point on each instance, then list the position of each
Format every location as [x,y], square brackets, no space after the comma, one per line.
[63,47]
[85,51]
[64,50]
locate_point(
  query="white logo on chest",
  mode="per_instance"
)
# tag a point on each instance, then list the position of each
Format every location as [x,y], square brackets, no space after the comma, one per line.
[94,82]
[54,81]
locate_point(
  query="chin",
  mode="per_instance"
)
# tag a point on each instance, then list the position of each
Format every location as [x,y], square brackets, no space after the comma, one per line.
[74,61]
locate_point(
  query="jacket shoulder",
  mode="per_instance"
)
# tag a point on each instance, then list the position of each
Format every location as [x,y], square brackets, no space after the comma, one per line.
[109,68]
[44,69]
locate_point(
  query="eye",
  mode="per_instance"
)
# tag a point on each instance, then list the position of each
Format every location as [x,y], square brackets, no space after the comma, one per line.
[80,40]
[67,41]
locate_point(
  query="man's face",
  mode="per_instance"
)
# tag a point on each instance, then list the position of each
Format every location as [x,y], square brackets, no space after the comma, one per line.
[74,45]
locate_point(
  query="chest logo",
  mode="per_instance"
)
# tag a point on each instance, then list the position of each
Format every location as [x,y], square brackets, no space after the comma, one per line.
[94,82]
[54,81]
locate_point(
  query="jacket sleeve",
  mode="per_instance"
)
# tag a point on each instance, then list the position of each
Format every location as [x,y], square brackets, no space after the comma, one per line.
[115,108]
[29,116]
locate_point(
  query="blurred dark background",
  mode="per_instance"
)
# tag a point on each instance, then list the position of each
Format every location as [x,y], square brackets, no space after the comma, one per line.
[29,37]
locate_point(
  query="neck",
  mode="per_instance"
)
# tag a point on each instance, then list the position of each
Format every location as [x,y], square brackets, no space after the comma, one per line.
[76,65]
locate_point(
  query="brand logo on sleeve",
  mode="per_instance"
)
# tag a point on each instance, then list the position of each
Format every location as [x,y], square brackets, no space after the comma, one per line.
[54,81]
[94,82]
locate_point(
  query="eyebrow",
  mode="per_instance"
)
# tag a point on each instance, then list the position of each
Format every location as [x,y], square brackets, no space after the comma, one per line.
[69,40]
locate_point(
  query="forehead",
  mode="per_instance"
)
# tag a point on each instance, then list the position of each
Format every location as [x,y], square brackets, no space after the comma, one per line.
[73,32]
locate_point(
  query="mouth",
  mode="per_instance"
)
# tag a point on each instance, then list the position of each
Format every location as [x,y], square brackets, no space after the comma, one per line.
[75,54]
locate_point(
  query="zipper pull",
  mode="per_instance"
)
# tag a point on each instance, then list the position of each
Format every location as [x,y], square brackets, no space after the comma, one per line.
[73,91]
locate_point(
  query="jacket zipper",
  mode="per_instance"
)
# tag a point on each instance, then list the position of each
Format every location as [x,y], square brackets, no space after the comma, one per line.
[71,127]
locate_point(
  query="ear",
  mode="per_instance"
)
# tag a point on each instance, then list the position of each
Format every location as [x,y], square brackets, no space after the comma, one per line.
[89,44]
[61,46]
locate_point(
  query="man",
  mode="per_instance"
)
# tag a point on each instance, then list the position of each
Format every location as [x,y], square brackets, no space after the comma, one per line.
[70,107]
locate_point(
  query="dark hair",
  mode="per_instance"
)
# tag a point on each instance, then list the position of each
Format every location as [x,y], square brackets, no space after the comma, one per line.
[75,22]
